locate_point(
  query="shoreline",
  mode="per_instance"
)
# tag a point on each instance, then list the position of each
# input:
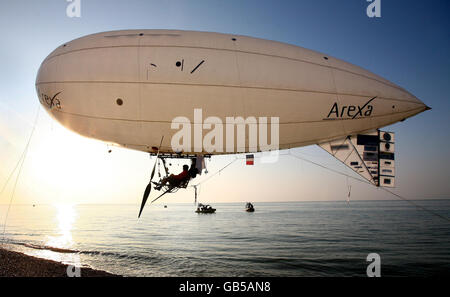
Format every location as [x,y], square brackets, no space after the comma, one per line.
[15,264]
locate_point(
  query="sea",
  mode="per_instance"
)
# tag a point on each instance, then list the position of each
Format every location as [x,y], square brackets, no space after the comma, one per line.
[283,239]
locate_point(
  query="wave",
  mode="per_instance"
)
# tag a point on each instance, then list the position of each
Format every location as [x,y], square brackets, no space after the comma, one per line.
[50,248]
[86,252]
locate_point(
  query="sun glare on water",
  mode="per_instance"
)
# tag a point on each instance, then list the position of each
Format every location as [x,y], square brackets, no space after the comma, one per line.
[65,218]
[59,246]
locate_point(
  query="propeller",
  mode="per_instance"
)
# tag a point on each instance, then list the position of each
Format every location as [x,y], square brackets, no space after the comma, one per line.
[148,189]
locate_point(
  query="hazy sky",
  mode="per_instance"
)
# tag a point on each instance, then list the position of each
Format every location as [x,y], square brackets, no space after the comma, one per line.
[409,45]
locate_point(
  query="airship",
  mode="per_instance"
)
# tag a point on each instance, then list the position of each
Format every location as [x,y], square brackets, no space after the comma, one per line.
[172,93]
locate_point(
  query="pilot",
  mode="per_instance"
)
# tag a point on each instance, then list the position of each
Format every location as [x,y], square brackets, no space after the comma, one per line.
[175,180]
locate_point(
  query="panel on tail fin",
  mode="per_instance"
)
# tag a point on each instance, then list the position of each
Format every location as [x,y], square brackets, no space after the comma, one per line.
[371,155]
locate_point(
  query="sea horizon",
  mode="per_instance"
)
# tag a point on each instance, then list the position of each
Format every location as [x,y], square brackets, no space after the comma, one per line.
[232,202]
[304,238]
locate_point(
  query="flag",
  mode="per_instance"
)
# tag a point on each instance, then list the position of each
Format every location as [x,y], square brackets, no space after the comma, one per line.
[250,160]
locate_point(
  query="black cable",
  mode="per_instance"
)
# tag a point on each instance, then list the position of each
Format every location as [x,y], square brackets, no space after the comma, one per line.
[217,172]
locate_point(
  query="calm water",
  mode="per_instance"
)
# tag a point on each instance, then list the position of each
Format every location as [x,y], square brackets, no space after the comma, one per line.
[279,239]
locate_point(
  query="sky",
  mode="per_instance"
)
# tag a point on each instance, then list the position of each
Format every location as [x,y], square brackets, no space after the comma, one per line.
[408,45]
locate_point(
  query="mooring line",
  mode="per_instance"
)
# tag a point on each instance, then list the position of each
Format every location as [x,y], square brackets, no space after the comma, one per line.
[367,182]
[21,162]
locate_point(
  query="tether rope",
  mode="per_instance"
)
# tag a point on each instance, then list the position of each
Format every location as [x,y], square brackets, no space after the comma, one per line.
[367,182]
[21,162]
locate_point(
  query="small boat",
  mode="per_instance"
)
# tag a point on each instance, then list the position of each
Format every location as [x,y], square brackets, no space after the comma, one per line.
[249,207]
[205,209]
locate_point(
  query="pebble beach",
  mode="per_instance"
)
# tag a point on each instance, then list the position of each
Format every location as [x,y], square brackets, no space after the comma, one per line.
[14,264]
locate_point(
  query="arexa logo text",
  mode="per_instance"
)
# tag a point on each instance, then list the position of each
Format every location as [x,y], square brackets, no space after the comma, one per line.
[350,111]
